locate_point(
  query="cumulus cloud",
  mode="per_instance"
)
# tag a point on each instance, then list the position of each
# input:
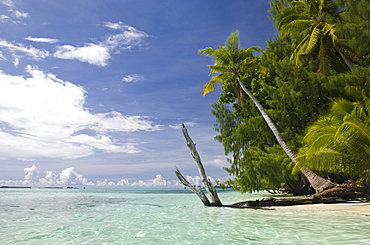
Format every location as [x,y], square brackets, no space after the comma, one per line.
[94,54]
[32,175]
[133,78]
[43,116]
[42,39]
[69,177]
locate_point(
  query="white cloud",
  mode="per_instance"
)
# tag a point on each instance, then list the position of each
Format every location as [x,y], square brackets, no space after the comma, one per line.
[69,177]
[43,116]
[4,18]
[114,26]
[129,37]
[14,15]
[42,39]
[99,54]
[133,78]
[179,126]
[91,53]
[115,121]
[19,14]
[18,50]
[32,175]
[2,57]
[9,3]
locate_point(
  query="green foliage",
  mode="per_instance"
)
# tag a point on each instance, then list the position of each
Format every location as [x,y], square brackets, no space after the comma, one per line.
[296,98]
[354,30]
[229,60]
[263,169]
[312,26]
[340,141]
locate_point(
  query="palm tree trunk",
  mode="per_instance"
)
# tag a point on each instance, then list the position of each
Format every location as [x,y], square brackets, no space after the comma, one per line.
[318,183]
[345,58]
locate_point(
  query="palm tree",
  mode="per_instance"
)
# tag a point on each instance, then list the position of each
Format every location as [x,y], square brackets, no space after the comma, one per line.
[340,141]
[307,22]
[230,63]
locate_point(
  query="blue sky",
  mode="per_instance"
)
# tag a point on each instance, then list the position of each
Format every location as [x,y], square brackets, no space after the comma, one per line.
[96,90]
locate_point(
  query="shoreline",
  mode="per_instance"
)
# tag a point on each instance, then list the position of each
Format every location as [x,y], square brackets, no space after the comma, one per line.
[349,207]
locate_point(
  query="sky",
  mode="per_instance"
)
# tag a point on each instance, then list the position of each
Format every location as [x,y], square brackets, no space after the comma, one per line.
[93,92]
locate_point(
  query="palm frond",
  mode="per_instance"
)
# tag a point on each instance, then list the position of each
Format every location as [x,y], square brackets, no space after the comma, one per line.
[294,27]
[340,141]
[211,85]
[313,40]
[206,51]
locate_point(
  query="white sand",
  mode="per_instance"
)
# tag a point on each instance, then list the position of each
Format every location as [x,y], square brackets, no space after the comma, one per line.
[351,207]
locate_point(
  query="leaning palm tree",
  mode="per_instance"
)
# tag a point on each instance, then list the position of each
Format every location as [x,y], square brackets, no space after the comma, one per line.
[231,63]
[310,24]
[340,141]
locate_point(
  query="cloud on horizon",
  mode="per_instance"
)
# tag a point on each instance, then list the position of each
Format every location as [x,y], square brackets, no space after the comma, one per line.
[69,177]
[44,116]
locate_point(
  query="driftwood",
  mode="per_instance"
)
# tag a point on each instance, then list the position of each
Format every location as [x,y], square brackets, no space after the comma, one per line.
[215,200]
[333,195]
[270,202]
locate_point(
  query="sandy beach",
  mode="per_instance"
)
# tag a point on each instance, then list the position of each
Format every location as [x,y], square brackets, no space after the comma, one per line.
[350,207]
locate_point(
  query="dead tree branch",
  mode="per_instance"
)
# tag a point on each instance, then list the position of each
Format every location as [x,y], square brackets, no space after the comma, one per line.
[196,189]
[206,182]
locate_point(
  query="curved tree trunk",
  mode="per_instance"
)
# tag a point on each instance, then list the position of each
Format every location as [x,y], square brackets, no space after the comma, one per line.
[318,183]
[345,58]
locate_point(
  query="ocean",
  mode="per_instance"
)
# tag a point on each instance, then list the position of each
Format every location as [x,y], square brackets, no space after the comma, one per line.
[163,216]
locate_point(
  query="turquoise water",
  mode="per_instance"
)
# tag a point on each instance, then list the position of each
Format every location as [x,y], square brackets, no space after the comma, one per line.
[86,216]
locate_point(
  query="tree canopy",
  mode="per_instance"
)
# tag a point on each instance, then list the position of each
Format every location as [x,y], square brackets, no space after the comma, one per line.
[305,72]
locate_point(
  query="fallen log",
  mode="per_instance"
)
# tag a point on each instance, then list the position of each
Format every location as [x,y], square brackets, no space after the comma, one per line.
[271,202]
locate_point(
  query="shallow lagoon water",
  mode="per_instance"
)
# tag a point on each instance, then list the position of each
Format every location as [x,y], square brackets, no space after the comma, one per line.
[159,216]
